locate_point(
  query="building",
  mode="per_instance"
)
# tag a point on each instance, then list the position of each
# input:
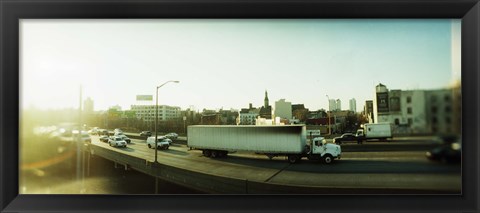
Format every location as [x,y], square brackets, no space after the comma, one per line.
[147,112]
[338,105]
[368,111]
[228,117]
[417,111]
[352,105]
[283,109]
[88,106]
[334,105]
[299,113]
[248,116]
[440,111]
[266,109]
[210,117]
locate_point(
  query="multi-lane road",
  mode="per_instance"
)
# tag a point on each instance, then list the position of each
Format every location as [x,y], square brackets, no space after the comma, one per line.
[356,172]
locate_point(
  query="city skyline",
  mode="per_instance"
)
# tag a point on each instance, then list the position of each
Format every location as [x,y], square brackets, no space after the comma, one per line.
[230,63]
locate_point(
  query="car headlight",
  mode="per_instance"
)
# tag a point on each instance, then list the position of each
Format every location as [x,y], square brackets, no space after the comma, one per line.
[455,146]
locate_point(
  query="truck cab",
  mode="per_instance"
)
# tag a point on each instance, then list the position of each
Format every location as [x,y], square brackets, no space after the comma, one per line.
[320,149]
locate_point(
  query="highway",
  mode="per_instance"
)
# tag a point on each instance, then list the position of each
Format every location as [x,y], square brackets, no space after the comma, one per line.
[356,172]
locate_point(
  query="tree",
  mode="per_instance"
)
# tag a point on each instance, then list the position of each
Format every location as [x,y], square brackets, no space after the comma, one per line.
[300,114]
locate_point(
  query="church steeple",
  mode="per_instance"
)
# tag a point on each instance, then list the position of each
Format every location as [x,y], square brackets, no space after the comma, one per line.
[266,99]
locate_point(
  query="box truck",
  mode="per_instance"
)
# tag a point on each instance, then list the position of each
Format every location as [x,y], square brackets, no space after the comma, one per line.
[381,131]
[284,140]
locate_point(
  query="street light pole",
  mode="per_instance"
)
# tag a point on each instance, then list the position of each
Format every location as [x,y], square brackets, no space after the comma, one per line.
[328,114]
[156,118]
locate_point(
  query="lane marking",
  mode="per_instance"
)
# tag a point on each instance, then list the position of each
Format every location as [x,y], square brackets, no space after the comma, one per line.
[278,172]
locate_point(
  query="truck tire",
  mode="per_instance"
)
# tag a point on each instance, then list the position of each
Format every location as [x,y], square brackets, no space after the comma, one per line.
[328,158]
[222,154]
[214,154]
[293,158]
[206,153]
[149,146]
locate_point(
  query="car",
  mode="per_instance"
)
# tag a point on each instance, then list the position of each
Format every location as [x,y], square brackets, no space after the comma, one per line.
[125,138]
[162,142]
[347,137]
[93,131]
[146,133]
[172,136]
[103,138]
[117,131]
[102,132]
[84,136]
[446,152]
[117,142]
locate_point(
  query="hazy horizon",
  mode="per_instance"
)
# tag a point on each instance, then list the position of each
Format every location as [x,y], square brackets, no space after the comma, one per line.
[230,63]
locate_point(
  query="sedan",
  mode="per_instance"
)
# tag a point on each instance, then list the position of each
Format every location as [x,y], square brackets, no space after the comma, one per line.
[446,153]
[145,133]
[347,137]
[172,136]
[103,138]
[125,138]
[117,142]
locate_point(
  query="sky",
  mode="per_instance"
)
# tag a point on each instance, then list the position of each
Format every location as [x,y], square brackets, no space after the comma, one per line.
[231,63]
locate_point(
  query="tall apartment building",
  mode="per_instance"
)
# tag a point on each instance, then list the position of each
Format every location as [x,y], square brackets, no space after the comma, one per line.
[334,105]
[352,105]
[147,112]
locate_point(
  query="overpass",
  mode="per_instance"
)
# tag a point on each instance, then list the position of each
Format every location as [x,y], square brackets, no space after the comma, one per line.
[248,173]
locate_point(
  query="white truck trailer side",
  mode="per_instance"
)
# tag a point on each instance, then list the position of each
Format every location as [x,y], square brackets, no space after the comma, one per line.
[288,140]
[380,131]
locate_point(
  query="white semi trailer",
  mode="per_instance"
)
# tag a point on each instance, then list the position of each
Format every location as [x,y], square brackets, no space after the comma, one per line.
[286,140]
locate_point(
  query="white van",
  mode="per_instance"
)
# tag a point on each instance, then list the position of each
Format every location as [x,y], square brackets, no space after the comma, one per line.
[162,142]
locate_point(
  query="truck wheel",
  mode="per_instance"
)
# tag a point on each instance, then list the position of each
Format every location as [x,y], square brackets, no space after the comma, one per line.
[206,153]
[328,159]
[214,154]
[149,146]
[270,156]
[293,158]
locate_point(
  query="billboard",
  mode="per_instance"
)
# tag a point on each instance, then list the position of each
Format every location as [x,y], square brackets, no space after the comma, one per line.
[382,102]
[144,97]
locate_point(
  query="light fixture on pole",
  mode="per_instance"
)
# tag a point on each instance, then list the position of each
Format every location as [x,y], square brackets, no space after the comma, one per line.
[328,114]
[156,118]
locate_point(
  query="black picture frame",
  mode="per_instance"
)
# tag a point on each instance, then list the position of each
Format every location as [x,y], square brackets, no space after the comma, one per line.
[13,10]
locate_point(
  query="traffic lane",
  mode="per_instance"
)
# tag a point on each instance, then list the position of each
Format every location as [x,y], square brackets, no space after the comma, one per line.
[345,173]
[351,162]
[182,157]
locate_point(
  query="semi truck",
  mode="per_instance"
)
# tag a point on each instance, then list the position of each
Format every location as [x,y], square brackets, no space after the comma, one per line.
[283,140]
[380,131]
